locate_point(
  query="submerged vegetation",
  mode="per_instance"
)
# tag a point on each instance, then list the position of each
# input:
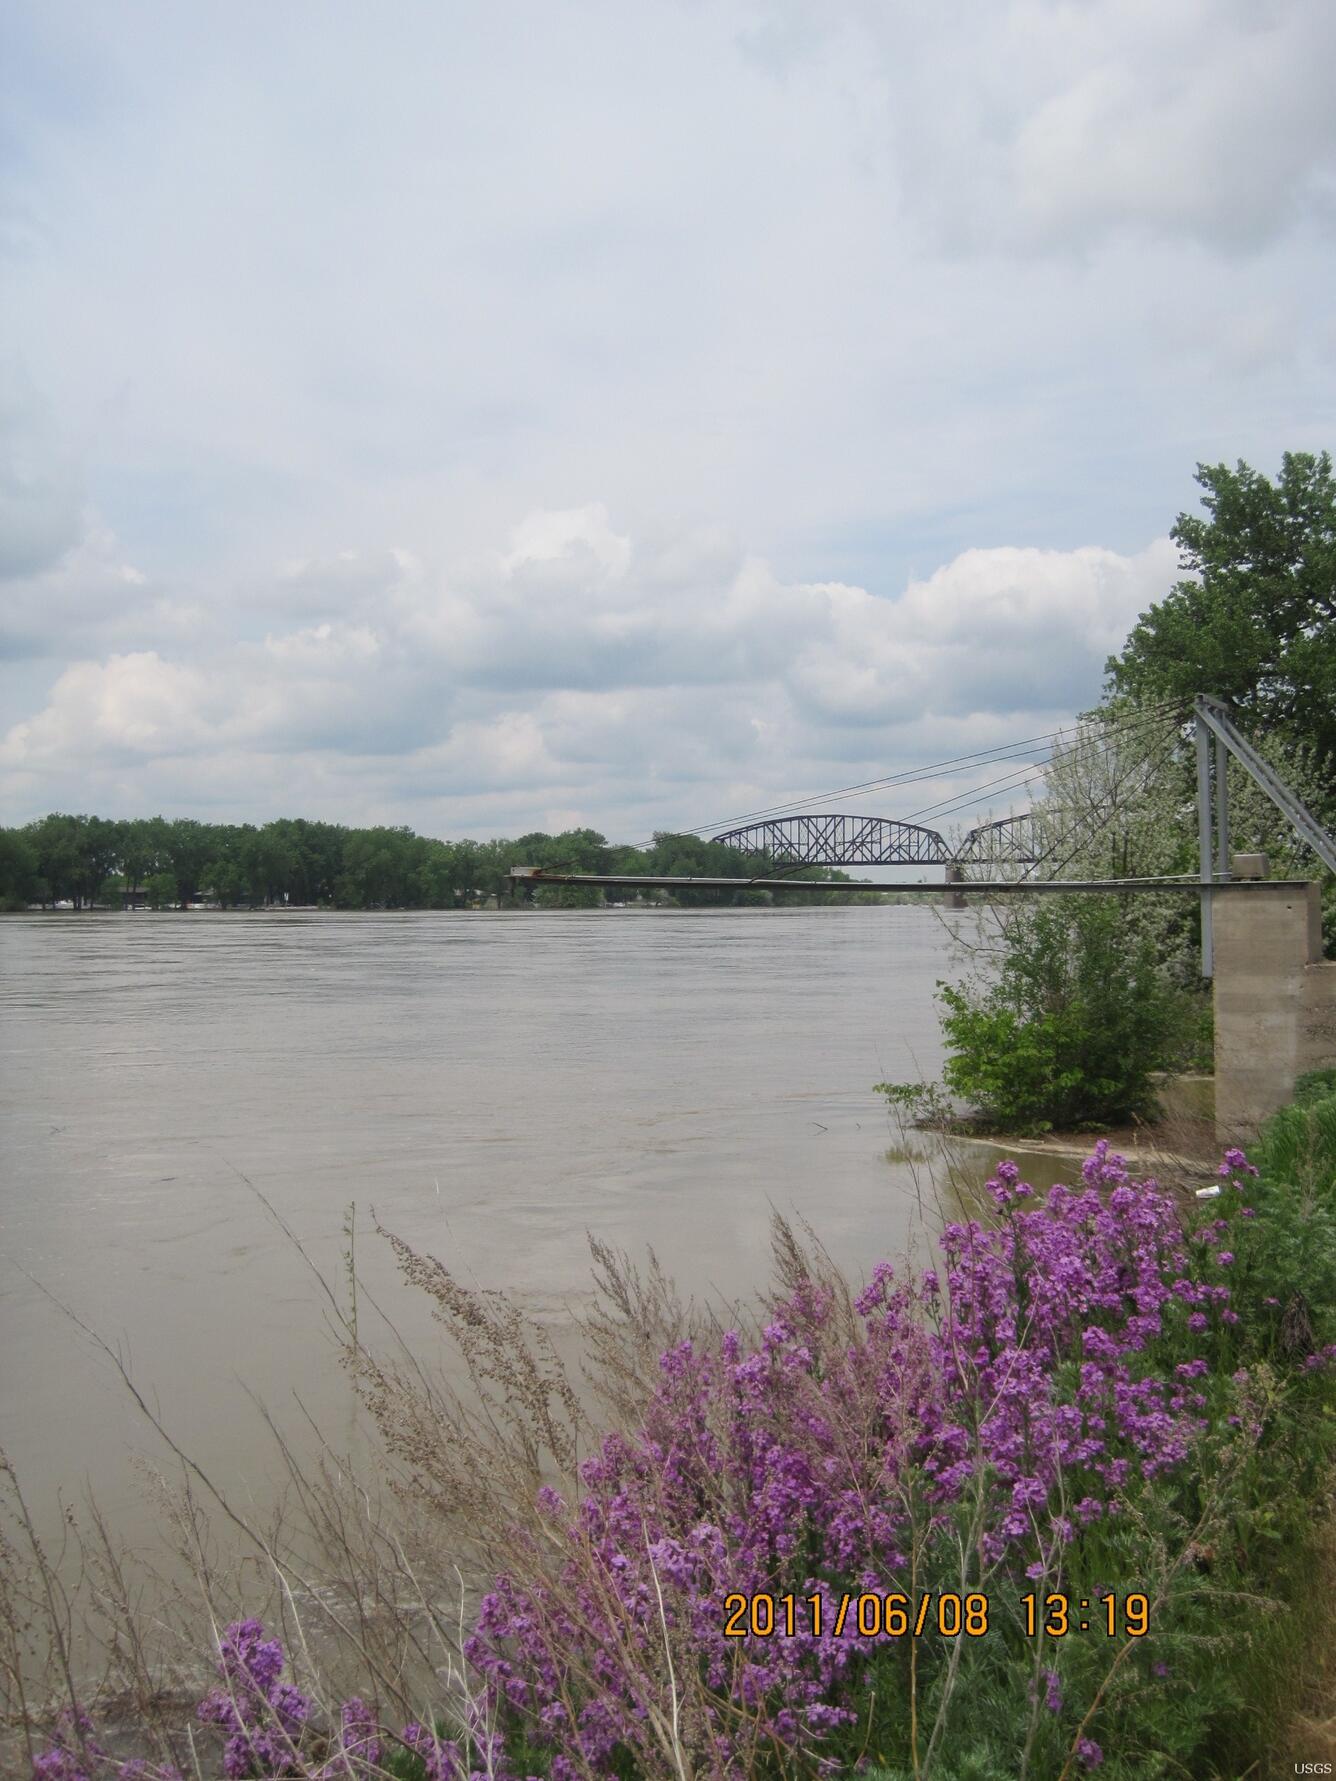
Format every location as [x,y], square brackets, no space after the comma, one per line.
[1049,1506]
[1069,1026]
[1074,1026]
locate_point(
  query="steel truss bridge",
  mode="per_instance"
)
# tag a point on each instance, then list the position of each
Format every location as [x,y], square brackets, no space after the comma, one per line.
[785,844]
[879,841]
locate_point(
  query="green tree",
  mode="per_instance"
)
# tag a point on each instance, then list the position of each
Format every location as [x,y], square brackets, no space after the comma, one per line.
[315,852]
[574,850]
[99,847]
[692,856]
[379,867]
[1256,621]
[492,861]
[269,860]
[226,879]
[20,881]
[437,880]
[467,870]
[1256,624]
[161,890]
[142,848]
[55,839]
[187,847]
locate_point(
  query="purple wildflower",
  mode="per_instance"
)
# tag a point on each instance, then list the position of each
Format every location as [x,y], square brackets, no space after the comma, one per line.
[262,1715]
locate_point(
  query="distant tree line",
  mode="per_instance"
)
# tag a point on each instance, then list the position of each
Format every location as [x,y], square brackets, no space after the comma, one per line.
[90,860]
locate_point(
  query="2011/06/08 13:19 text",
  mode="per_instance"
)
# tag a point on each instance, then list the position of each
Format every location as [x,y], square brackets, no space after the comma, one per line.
[894,1616]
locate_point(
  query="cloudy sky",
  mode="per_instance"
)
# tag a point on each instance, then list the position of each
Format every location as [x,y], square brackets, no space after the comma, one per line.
[624,412]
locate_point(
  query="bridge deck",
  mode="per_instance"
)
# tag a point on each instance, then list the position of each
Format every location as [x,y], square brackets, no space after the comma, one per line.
[536,875]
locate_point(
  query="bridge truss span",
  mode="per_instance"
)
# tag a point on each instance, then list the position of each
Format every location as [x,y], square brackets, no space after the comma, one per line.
[839,841]
[1010,841]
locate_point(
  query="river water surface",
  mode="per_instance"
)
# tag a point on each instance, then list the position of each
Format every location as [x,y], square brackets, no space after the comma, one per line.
[494,1085]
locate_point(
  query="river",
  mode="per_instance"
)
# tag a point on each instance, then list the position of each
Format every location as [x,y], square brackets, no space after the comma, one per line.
[493,1085]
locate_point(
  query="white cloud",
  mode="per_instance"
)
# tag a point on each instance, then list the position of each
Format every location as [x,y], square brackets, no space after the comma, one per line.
[1058,124]
[324,648]
[137,704]
[89,596]
[809,342]
[580,534]
[641,694]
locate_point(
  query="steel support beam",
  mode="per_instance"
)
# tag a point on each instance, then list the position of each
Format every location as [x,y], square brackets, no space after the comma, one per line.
[1216,739]
[1221,809]
[1213,716]
[1203,744]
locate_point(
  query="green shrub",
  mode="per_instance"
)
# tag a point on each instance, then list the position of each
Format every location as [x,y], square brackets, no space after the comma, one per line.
[1075,1025]
[920,1103]
[1286,1286]
[1313,1085]
[1298,1144]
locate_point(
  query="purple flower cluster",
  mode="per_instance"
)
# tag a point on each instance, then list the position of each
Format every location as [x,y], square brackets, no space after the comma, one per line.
[479,1756]
[358,1744]
[1096,1276]
[267,1722]
[1235,1163]
[1020,1400]
[76,1755]
[262,1716]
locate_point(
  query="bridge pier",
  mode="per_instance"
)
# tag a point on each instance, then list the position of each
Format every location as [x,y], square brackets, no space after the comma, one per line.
[1275,998]
[955,874]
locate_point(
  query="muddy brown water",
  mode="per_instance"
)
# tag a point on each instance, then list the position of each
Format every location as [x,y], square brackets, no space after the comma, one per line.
[495,1086]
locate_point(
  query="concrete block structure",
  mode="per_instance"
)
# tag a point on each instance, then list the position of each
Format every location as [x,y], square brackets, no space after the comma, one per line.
[1275,999]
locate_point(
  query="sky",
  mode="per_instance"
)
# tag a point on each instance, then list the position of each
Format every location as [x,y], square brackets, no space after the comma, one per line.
[554,413]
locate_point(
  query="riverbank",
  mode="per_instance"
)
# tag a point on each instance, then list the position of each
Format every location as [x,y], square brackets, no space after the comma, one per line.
[1181,1141]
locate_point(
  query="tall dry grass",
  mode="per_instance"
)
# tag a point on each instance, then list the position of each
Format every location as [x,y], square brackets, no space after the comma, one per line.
[369,1571]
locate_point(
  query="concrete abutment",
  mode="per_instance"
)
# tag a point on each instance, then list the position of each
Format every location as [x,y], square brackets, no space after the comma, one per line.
[1275,999]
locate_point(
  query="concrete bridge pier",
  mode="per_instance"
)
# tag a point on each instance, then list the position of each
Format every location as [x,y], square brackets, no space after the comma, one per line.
[955,874]
[1275,996]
